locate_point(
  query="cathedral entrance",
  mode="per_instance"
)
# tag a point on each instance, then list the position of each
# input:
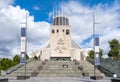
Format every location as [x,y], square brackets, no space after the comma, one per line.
[60,58]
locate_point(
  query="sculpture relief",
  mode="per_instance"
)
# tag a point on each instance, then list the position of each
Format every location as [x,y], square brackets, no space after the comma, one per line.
[60,46]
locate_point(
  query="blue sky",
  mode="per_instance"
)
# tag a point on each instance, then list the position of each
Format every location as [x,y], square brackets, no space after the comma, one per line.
[41,8]
[79,12]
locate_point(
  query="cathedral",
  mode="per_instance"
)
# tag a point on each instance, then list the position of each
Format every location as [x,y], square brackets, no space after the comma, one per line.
[60,47]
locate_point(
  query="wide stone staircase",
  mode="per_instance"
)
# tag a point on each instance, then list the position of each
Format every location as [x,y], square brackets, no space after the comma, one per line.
[56,68]
[59,68]
[30,67]
[90,68]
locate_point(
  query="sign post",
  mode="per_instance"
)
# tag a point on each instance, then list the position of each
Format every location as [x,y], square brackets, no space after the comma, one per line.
[23,47]
[96,51]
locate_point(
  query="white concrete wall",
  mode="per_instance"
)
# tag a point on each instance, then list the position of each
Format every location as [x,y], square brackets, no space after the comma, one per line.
[35,53]
[76,54]
[85,54]
[60,43]
[45,54]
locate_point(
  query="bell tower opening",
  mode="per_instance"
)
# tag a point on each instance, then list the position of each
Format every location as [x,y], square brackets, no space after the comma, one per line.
[60,21]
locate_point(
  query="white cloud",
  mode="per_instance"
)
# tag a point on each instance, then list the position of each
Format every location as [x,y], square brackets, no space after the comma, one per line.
[81,21]
[36,8]
[37,32]
[5,3]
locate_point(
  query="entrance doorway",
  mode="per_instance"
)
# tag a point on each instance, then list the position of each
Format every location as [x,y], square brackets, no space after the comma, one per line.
[60,58]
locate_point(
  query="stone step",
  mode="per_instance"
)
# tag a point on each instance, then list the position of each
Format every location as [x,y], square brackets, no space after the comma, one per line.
[59,75]
[55,68]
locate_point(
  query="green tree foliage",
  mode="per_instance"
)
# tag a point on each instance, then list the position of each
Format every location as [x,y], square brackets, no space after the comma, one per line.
[91,53]
[27,57]
[16,59]
[0,66]
[0,70]
[114,49]
[101,53]
[6,63]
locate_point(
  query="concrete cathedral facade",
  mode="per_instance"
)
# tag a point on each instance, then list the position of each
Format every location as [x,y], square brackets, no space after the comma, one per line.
[60,46]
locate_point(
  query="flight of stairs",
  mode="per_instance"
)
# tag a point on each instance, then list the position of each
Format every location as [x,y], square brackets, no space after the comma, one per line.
[90,68]
[56,68]
[30,67]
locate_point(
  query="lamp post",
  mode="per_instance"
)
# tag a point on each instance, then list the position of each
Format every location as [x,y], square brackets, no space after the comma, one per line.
[94,40]
[23,47]
[23,43]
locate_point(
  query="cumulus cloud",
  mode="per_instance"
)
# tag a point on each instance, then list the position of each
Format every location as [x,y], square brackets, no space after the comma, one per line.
[5,3]
[36,8]
[81,20]
[37,32]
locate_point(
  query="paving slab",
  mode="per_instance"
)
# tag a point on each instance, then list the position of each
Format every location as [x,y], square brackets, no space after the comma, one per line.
[59,79]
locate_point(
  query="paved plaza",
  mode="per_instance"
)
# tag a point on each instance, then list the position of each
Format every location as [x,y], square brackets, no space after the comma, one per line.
[59,79]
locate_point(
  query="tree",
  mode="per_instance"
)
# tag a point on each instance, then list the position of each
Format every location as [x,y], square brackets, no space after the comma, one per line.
[16,59]
[114,48]
[0,70]
[101,53]
[6,63]
[27,57]
[91,53]
[0,66]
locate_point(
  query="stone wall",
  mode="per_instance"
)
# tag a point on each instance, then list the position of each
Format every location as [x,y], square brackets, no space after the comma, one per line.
[60,42]
[45,54]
